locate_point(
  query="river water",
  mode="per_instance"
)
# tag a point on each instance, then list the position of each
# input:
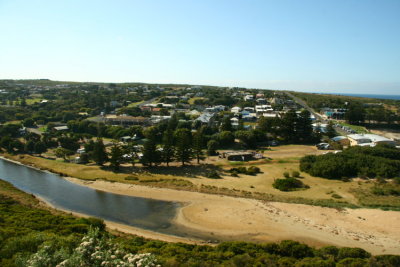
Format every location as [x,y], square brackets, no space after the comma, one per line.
[143,213]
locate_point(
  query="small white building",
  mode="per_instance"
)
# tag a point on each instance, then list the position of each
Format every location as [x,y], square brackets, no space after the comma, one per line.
[236,109]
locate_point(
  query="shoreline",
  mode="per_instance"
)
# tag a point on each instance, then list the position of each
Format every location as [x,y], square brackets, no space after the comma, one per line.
[253,220]
[235,218]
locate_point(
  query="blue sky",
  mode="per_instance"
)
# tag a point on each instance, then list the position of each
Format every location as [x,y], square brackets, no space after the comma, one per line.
[349,46]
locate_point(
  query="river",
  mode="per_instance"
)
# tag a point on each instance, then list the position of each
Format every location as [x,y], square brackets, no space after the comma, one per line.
[149,214]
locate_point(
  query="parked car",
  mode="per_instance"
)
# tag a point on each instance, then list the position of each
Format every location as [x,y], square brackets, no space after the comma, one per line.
[323,146]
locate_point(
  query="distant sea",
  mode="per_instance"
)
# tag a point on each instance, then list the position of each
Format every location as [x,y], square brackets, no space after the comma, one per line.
[395,97]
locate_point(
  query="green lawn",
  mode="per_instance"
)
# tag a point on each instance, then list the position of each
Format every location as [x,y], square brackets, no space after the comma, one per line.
[135,104]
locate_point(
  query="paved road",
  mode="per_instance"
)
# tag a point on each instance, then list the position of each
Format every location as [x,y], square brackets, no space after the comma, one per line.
[147,102]
[307,107]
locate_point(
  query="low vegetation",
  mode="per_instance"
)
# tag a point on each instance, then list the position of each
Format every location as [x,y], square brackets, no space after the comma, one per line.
[365,162]
[252,170]
[289,184]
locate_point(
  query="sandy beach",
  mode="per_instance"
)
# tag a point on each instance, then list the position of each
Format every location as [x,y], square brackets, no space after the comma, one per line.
[232,218]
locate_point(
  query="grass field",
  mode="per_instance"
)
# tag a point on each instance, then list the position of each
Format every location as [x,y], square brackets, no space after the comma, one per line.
[31,101]
[135,104]
[191,100]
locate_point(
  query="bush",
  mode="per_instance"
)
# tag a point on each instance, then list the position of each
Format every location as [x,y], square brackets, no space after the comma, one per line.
[286,174]
[288,184]
[295,174]
[131,178]
[336,196]
[353,253]
[213,175]
[234,173]
[252,170]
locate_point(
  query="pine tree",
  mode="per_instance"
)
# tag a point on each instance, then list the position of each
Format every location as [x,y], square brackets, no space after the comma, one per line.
[226,124]
[288,126]
[304,127]
[184,151]
[116,157]
[99,154]
[168,146]
[173,122]
[150,154]
[330,130]
[198,143]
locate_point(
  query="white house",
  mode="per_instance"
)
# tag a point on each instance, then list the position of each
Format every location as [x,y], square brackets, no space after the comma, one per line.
[236,109]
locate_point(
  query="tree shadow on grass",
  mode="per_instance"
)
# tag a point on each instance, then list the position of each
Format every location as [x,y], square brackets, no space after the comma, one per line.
[189,171]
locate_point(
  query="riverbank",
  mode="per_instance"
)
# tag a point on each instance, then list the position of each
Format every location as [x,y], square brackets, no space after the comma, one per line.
[253,220]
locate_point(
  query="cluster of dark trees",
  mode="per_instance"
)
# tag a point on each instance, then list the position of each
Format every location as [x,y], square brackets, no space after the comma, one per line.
[292,128]
[369,162]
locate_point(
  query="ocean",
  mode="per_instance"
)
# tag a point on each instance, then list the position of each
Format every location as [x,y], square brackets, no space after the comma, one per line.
[395,97]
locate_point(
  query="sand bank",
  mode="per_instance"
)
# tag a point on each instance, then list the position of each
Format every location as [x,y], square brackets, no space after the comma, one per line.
[226,217]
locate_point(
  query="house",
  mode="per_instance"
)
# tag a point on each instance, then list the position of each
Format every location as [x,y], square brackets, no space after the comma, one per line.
[125,139]
[249,117]
[270,115]
[159,118]
[263,109]
[194,113]
[369,140]
[249,109]
[235,122]
[320,127]
[238,156]
[236,109]
[206,118]
[80,151]
[61,128]
[125,120]
[259,95]
[261,101]
[248,98]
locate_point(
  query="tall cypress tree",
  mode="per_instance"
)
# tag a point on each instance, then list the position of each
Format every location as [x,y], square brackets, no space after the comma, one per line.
[116,157]
[150,154]
[184,151]
[99,154]
[304,128]
[288,126]
[168,146]
[198,144]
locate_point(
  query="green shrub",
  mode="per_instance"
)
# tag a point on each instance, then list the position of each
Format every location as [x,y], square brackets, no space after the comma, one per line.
[234,173]
[213,175]
[353,253]
[286,174]
[131,178]
[288,184]
[336,196]
[295,174]
[253,170]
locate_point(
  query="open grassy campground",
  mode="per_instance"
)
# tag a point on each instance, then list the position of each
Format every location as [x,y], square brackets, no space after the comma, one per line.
[278,160]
